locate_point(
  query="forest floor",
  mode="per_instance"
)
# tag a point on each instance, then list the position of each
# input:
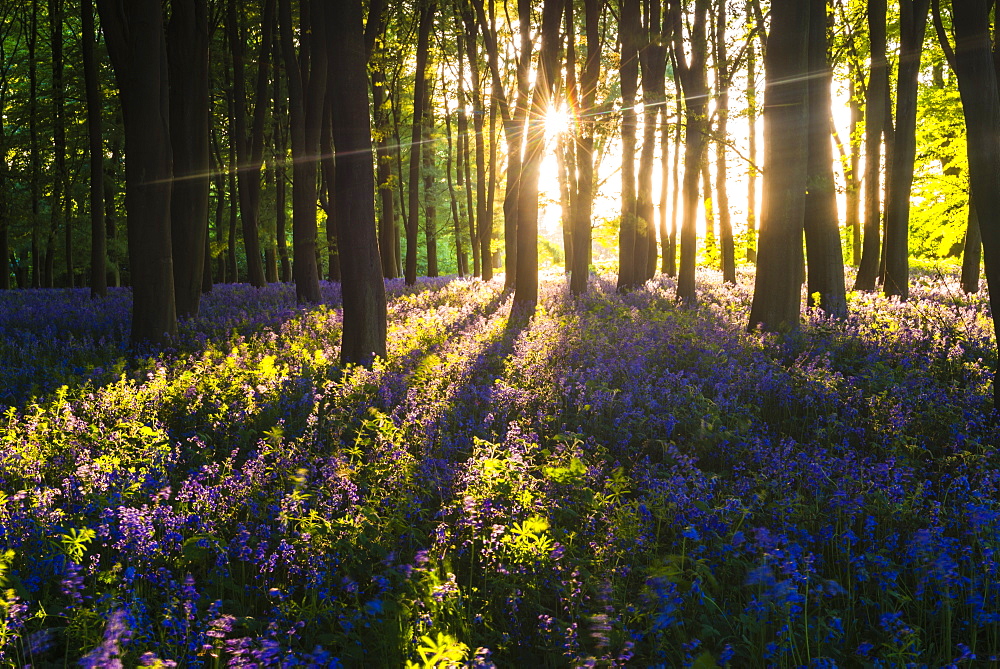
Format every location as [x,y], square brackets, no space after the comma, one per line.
[608,481]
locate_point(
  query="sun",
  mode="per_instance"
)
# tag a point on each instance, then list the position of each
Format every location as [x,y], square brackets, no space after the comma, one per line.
[558,120]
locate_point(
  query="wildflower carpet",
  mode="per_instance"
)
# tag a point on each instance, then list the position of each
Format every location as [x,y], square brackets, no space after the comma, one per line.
[606,481]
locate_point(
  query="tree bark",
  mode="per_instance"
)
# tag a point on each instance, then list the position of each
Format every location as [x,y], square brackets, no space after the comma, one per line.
[187,61]
[694,79]
[824,253]
[387,217]
[653,58]
[526,283]
[430,203]
[95,135]
[250,148]
[913,24]
[972,254]
[424,28]
[878,87]
[977,83]
[306,91]
[134,34]
[60,182]
[631,243]
[723,78]
[777,294]
[364,302]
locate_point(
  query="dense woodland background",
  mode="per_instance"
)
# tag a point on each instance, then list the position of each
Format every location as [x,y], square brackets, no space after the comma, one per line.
[240,116]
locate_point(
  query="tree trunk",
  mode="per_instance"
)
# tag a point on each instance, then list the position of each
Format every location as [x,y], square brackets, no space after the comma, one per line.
[430,204]
[60,181]
[462,153]
[279,145]
[653,59]
[387,218]
[878,88]
[95,135]
[675,190]
[484,227]
[695,83]
[977,82]
[723,80]
[825,256]
[363,288]
[420,82]
[34,178]
[584,203]
[456,216]
[853,169]
[135,39]
[250,148]
[777,293]
[631,244]
[187,60]
[913,23]
[526,283]
[752,148]
[973,253]
[306,91]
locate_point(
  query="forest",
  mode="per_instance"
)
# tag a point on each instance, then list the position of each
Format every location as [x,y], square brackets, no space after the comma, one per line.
[499,333]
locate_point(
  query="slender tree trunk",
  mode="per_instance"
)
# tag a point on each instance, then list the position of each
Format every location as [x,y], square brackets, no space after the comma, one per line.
[306,92]
[364,301]
[279,120]
[975,66]
[777,294]
[387,218]
[973,252]
[584,203]
[328,188]
[456,216]
[136,44]
[853,170]
[187,60]
[60,183]
[723,80]
[752,149]
[95,134]
[675,190]
[631,244]
[232,265]
[430,204]
[425,26]
[825,256]
[34,179]
[878,87]
[484,227]
[652,57]
[913,23]
[695,82]
[250,148]
[461,160]
[526,283]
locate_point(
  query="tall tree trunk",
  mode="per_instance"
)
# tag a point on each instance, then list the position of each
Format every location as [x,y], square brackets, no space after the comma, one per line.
[977,83]
[136,44]
[430,204]
[461,159]
[853,169]
[279,144]
[250,148]
[823,249]
[695,83]
[420,82]
[34,178]
[913,23]
[363,288]
[187,60]
[516,137]
[584,203]
[752,148]
[387,218]
[526,283]
[95,135]
[484,227]
[972,254]
[723,79]
[328,188]
[877,91]
[777,293]
[631,244]
[306,91]
[60,182]
[232,266]
[456,215]
[676,172]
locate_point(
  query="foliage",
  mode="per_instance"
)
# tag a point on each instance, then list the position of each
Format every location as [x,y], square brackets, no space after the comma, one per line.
[606,481]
